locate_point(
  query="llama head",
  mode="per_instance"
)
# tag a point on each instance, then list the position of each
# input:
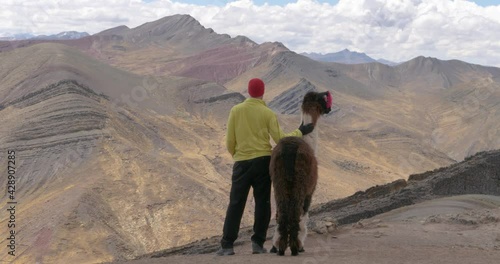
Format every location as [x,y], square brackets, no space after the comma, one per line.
[317,104]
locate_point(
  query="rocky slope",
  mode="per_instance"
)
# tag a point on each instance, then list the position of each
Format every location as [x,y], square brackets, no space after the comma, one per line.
[479,174]
[109,162]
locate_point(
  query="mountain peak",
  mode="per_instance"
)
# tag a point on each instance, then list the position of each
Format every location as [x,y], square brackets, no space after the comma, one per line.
[168,24]
[184,19]
[424,60]
[112,31]
[64,35]
[173,23]
[344,56]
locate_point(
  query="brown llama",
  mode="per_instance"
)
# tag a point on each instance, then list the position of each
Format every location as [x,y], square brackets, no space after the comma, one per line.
[294,174]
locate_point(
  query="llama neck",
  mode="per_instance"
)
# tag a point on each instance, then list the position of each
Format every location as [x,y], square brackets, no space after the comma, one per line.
[311,138]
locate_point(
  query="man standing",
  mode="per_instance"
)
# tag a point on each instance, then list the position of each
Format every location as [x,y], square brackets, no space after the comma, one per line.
[248,128]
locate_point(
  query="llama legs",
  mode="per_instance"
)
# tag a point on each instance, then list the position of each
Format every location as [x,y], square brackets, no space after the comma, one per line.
[283,239]
[294,238]
[276,238]
[302,234]
[303,231]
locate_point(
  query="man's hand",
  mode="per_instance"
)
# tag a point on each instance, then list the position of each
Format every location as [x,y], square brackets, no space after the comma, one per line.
[306,129]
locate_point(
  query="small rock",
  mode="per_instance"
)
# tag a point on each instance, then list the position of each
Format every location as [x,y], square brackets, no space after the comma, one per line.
[331,229]
[320,227]
[328,219]
[358,225]
[321,230]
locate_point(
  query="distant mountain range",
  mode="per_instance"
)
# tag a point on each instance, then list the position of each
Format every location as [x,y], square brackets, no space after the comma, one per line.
[60,36]
[347,57]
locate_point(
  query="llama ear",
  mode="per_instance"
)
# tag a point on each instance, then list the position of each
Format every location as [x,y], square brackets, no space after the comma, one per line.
[328,99]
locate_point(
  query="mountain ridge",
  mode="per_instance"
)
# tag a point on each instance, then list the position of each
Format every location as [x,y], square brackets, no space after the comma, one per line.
[347,57]
[59,36]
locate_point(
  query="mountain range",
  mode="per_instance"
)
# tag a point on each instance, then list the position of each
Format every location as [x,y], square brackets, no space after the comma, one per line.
[61,35]
[120,134]
[346,56]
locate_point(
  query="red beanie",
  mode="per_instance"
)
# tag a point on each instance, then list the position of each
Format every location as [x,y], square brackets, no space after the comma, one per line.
[256,87]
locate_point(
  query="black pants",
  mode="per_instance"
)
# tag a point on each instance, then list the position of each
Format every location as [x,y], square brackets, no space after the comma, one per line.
[254,173]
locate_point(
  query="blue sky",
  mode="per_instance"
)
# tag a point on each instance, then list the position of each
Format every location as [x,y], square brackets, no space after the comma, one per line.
[486,2]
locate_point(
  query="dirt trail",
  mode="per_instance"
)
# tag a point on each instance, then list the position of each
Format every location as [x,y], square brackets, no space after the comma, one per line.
[460,229]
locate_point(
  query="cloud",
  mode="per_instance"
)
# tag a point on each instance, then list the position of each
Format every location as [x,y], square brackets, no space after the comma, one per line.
[397,30]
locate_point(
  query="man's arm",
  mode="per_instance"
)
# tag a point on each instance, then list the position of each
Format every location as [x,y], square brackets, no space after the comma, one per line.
[276,132]
[230,134]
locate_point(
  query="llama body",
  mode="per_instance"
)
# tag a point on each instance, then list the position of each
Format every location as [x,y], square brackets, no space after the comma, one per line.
[294,174]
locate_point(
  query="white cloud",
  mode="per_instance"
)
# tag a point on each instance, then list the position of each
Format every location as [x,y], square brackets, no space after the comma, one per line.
[397,30]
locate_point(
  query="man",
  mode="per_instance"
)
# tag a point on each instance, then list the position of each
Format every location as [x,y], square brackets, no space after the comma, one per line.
[248,128]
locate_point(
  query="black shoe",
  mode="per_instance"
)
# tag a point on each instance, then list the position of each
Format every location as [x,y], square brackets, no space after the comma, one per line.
[225,252]
[257,249]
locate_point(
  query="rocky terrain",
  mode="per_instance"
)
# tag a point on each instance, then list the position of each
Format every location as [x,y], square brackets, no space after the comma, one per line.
[478,175]
[457,229]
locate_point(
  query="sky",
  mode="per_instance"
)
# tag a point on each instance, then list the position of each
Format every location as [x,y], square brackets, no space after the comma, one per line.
[396,30]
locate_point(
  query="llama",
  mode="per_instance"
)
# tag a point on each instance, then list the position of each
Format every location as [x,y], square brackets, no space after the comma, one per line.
[294,173]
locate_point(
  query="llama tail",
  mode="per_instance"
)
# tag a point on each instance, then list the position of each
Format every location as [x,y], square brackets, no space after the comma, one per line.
[294,226]
[283,227]
[289,211]
[288,155]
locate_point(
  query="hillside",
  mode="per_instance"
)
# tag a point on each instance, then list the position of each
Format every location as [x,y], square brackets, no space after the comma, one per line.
[459,198]
[102,165]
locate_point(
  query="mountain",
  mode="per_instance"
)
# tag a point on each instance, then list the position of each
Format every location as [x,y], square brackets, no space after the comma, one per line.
[121,134]
[63,35]
[387,62]
[344,56]
[10,37]
[347,57]
[104,118]
[179,33]
[60,36]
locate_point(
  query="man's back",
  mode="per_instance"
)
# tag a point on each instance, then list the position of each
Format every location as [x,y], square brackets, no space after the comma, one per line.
[248,122]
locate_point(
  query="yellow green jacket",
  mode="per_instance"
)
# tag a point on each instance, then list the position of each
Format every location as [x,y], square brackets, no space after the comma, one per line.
[248,128]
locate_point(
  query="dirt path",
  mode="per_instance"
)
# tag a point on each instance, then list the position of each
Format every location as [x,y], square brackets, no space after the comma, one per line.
[462,229]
